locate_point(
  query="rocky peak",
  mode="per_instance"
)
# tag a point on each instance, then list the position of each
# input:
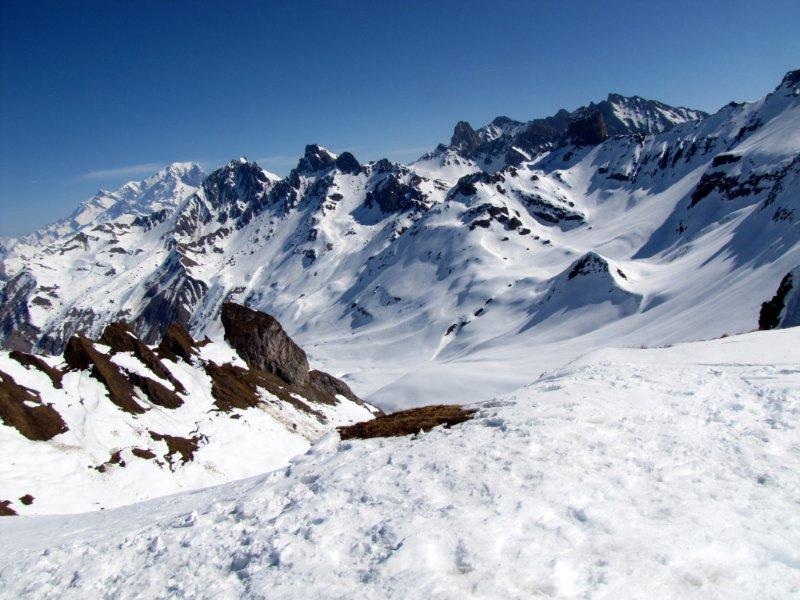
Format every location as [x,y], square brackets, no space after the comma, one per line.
[347,163]
[464,139]
[315,158]
[239,180]
[263,344]
[791,79]
[590,263]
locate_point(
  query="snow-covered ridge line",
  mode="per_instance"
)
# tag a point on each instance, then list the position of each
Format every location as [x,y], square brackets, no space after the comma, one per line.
[659,473]
[116,421]
[398,275]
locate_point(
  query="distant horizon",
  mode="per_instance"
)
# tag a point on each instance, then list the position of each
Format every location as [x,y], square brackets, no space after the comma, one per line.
[90,101]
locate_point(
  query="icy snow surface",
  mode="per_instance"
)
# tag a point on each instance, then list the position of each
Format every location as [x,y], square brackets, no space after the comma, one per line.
[661,473]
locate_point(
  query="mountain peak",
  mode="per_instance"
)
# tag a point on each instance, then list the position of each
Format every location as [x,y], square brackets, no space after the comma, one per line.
[791,79]
[464,138]
[347,163]
[315,158]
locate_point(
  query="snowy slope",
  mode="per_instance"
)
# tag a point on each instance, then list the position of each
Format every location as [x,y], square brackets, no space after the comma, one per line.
[115,421]
[414,281]
[663,473]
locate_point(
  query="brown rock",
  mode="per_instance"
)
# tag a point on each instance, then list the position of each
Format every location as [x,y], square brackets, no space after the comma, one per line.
[177,343]
[81,354]
[330,387]
[120,337]
[38,423]
[263,344]
[407,422]
[35,362]
[155,392]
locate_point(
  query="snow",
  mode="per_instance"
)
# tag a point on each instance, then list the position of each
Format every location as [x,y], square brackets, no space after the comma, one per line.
[61,473]
[629,473]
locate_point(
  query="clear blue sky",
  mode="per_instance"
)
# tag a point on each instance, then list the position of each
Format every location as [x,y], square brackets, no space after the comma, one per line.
[93,94]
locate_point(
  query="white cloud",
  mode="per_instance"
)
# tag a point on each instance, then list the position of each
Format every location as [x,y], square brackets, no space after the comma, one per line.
[128,171]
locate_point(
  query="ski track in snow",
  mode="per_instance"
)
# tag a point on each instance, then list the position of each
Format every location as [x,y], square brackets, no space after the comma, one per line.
[664,473]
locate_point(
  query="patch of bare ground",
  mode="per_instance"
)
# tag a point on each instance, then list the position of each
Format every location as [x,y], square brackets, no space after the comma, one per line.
[407,422]
[116,458]
[234,387]
[185,447]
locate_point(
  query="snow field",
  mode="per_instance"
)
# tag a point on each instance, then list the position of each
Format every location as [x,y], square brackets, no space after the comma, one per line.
[632,473]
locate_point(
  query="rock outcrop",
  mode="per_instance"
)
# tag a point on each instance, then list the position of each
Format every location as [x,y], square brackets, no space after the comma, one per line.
[464,138]
[783,309]
[263,344]
[24,410]
[587,128]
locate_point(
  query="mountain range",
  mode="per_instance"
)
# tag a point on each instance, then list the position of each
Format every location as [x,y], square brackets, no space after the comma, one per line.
[626,221]
[511,251]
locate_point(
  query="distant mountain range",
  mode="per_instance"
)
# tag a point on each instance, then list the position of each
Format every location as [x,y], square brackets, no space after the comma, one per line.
[624,222]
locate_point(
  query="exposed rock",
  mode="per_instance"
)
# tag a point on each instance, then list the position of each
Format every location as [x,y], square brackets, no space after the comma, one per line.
[393,196]
[464,138]
[408,422]
[588,264]
[81,354]
[27,499]
[172,294]
[32,361]
[783,310]
[587,128]
[177,445]
[263,344]
[331,387]
[6,510]
[157,393]
[315,159]
[725,159]
[143,453]
[120,338]
[347,163]
[232,387]
[16,330]
[24,410]
[177,343]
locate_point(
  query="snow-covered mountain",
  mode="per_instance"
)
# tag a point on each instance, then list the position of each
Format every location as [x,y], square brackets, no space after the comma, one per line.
[115,421]
[505,141]
[625,222]
[163,190]
[660,473]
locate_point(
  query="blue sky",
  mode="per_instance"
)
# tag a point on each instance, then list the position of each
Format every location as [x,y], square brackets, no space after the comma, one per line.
[93,94]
